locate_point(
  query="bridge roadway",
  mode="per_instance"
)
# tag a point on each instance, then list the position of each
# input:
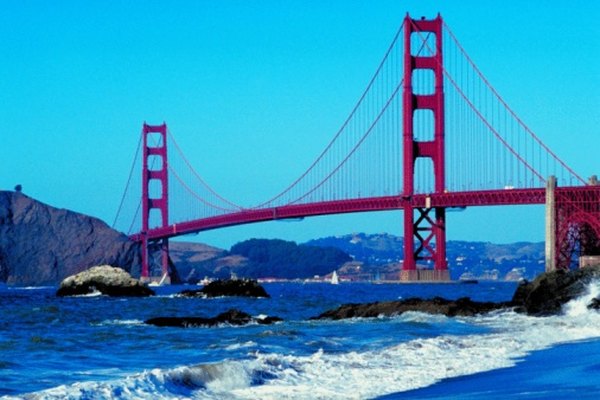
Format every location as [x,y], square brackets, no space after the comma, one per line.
[448,199]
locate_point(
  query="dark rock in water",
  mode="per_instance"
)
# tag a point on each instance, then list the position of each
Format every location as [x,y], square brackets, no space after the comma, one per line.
[105,279]
[543,296]
[594,304]
[42,245]
[546,294]
[232,317]
[461,307]
[229,287]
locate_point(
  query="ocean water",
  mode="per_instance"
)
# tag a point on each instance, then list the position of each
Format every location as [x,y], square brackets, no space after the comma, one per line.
[98,347]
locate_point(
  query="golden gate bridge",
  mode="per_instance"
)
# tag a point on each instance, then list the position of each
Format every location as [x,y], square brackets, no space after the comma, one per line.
[428,133]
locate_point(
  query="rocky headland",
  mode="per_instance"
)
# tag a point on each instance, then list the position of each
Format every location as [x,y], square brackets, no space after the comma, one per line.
[42,245]
[107,280]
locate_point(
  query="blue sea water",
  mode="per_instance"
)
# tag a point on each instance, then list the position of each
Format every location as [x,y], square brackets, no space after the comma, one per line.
[99,348]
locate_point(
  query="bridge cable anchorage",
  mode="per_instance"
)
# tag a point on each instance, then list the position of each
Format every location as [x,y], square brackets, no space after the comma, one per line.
[356,146]
[137,153]
[484,120]
[510,110]
[202,181]
[344,124]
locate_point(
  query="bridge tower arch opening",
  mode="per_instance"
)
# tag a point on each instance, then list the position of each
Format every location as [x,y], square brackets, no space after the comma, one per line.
[572,225]
[155,194]
[424,227]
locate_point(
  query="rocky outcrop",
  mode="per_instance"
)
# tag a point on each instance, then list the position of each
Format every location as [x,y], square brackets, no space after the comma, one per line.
[594,304]
[229,287]
[231,317]
[42,245]
[547,293]
[461,307]
[105,279]
[543,296]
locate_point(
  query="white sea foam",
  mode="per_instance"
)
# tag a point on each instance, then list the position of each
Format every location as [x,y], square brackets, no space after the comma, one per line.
[579,306]
[122,322]
[356,375]
[419,317]
[237,346]
[94,293]
[29,287]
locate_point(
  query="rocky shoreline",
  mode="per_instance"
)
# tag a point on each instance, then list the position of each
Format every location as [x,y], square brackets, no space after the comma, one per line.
[545,295]
[461,307]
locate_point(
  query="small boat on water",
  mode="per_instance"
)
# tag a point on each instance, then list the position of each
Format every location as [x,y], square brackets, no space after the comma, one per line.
[334,278]
[467,277]
[205,281]
[161,282]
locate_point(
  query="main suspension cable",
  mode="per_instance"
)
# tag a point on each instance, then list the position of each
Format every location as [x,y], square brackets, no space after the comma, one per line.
[135,157]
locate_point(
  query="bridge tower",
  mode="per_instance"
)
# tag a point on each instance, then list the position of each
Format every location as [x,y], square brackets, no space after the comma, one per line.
[155,192]
[423,226]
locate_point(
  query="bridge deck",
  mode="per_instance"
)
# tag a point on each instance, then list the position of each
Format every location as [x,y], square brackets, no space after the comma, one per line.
[449,199]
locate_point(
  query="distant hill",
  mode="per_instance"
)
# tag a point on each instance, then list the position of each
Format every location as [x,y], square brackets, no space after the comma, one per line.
[377,253]
[255,258]
[357,256]
[194,261]
[370,249]
[283,259]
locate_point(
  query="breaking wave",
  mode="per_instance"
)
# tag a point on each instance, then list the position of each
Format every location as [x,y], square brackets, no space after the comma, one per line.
[355,375]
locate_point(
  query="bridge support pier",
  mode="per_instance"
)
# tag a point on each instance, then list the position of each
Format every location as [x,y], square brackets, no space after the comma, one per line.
[550,224]
[428,227]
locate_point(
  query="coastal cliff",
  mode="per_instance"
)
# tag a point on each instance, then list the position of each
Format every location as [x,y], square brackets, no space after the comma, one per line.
[42,245]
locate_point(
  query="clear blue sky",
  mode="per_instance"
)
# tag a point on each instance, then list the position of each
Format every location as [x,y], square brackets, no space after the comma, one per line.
[247,86]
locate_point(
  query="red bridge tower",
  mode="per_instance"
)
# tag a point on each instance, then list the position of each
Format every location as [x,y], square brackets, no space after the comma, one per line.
[423,226]
[155,192]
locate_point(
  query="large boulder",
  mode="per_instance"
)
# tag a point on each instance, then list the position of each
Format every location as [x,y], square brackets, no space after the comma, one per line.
[229,287]
[105,279]
[231,317]
[547,293]
[460,307]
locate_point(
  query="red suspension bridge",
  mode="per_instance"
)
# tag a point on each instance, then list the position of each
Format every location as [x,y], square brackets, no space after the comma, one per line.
[428,133]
